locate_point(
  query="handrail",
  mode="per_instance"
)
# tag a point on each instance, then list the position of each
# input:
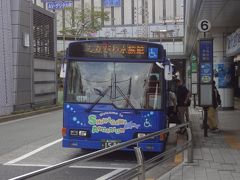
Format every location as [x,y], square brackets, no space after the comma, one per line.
[128,174]
[108,150]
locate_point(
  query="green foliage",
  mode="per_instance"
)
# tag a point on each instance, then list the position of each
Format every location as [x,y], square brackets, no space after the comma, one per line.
[80,23]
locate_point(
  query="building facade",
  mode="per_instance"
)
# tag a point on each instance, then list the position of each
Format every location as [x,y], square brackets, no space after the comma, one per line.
[155,20]
[233,52]
[28,74]
[6,59]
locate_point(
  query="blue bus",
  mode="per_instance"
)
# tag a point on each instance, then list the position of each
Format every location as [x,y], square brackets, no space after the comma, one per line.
[115,91]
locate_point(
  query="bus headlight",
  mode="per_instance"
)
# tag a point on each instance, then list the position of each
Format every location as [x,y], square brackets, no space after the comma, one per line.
[76,132]
[73,132]
[141,135]
[82,133]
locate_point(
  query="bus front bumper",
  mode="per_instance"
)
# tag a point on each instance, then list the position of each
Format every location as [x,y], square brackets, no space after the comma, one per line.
[87,144]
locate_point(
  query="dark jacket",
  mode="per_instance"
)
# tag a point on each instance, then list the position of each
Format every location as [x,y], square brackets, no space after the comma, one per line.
[182,93]
[216,99]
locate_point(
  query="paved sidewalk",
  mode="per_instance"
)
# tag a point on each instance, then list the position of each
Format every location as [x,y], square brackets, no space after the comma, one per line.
[216,157]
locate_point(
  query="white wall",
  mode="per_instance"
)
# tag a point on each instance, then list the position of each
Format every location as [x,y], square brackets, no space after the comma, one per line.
[150,11]
[159,10]
[179,9]
[117,15]
[169,9]
[138,10]
[109,14]
[127,12]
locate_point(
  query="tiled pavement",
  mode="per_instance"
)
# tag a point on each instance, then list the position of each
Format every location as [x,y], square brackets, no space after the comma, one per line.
[216,157]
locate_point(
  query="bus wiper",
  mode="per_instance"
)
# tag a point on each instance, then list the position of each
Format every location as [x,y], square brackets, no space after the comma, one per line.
[101,95]
[127,99]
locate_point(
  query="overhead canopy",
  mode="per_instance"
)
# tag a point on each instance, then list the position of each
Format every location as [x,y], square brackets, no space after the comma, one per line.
[223,14]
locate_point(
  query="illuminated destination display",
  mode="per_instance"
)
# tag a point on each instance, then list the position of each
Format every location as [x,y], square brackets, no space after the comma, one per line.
[115,49]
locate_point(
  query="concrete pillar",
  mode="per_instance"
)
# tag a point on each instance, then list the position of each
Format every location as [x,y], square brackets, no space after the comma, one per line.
[22,57]
[223,68]
[6,59]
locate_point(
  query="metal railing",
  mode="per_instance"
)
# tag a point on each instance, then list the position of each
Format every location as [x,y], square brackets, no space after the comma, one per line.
[141,167]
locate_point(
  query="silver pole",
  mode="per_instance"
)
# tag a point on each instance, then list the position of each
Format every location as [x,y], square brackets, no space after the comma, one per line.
[190,148]
[146,25]
[63,26]
[140,162]
[137,21]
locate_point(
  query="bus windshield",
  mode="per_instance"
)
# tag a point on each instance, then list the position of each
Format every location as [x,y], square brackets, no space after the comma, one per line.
[125,85]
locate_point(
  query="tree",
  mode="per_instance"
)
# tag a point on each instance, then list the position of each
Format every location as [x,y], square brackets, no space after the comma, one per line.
[80,23]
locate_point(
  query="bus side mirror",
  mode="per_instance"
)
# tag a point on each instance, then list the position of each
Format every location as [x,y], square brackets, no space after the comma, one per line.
[168,70]
[63,70]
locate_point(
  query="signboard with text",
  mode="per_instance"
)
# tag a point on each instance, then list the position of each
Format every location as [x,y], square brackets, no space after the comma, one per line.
[116,50]
[47,1]
[204,25]
[233,43]
[225,75]
[59,4]
[194,67]
[205,71]
[112,3]
[206,60]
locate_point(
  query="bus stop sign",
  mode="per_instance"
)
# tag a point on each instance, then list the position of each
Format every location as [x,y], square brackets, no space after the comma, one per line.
[204,25]
[205,71]
[205,74]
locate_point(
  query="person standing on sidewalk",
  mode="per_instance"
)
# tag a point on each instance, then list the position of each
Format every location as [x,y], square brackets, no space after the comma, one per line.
[172,107]
[183,98]
[212,110]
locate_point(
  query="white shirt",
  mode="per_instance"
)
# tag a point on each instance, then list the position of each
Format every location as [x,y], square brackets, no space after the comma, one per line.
[172,99]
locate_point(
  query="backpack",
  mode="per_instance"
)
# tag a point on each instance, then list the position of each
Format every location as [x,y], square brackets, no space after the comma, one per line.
[219,102]
[189,99]
[188,102]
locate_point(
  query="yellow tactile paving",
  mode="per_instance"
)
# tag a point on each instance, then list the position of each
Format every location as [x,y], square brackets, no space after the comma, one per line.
[232,141]
[178,158]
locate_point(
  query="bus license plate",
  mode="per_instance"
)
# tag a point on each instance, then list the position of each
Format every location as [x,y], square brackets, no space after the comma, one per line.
[106,144]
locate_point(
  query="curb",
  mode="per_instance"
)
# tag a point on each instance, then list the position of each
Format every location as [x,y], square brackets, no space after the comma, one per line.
[27,114]
[236,103]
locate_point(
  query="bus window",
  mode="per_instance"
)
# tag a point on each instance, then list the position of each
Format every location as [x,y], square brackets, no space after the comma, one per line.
[127,82]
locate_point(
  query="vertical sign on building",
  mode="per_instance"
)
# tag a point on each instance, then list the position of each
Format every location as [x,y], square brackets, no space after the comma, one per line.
[193,74]
[205,72]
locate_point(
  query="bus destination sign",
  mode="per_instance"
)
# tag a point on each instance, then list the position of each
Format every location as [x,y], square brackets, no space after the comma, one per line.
[113,50]
[130,49]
